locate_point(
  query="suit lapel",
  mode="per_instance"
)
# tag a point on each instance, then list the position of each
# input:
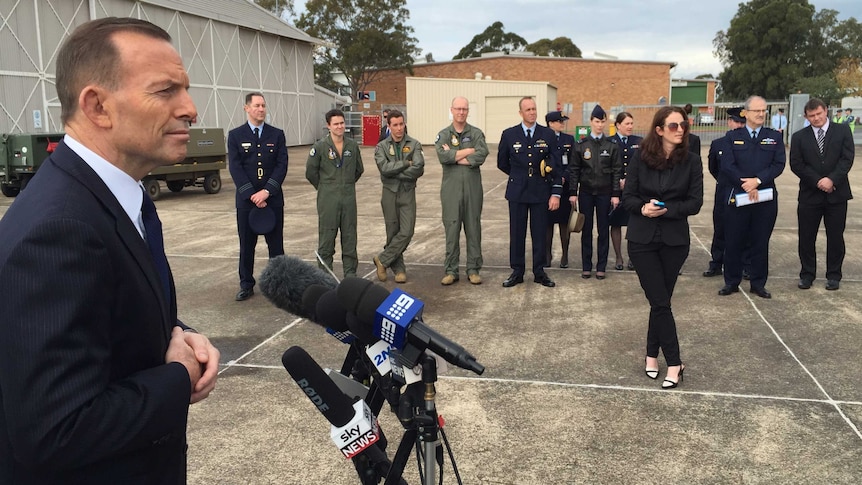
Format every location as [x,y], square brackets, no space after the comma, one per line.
[127,232]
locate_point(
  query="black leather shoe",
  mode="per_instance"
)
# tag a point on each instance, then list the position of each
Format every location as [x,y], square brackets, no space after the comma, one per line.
[728,289]
[832,285]
[244,294]
[630,266]
[761,292]
[746,275]
[512,280]
[712,272]
[804,284]
[545,281]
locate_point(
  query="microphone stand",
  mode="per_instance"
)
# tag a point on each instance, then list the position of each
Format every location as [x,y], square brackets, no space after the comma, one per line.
[418,414]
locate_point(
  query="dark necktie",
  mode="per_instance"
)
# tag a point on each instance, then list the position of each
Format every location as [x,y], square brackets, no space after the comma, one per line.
[821,135]
[156,244]
[754,134]
[624,139]
[529,134]
[256,132]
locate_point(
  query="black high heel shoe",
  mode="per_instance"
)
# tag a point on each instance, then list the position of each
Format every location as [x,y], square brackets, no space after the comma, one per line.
[669,384]
[651,373]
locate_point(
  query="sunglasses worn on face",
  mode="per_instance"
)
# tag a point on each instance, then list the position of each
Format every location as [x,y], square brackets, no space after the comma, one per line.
[675,126]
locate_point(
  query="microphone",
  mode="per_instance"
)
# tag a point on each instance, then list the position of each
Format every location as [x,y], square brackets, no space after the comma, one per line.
[332,315]
[286,278]
[398,321]
[354,428]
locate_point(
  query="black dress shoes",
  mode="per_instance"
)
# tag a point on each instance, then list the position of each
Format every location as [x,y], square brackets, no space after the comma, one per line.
[832,285]
[728,289]
[512,280]
[544,281]
[804,284]
[244,294]
[712,272]
[761,292]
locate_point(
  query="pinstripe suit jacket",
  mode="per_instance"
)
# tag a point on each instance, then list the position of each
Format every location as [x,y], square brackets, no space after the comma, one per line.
[85,394]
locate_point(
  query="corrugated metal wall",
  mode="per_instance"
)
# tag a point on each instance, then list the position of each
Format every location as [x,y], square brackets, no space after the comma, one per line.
[224,62]
[428,101]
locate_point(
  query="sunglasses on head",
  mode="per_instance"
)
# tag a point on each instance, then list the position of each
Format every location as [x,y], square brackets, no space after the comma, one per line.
[675,126]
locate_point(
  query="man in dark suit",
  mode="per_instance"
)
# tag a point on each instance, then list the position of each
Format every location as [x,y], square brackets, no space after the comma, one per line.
[821,155]
[257,157]
[528,156]
[96,372]
[753,162]
[384,128]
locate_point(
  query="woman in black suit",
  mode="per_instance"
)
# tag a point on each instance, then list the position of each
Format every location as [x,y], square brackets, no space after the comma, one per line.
[664,186]
[628,144]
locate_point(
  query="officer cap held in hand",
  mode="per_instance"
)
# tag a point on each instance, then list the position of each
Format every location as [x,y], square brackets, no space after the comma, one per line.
[598,112]
[261,220]
[555,116]
[736,115]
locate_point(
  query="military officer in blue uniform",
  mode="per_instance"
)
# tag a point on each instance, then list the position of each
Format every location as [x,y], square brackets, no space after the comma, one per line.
[257,158]
[735,119]
[754,160]
[563,143]
[628,145]
[528,156]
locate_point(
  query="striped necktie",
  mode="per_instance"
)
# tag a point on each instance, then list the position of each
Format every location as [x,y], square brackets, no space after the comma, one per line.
[821,135]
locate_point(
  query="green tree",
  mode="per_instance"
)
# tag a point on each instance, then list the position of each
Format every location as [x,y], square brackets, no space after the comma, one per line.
[775,47]
[493,39]
[281,8]
[363,37]
[559,47]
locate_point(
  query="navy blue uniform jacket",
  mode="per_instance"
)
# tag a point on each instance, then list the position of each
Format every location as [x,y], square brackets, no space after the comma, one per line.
[763,158]
[257,164]
[85,394]
[520,159]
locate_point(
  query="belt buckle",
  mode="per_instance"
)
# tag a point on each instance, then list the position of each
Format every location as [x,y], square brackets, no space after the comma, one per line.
[530,172]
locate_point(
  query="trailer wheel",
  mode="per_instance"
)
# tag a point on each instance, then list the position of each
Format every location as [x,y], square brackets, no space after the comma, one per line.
[8,190]
[153,188]
[176,185]
[212,183]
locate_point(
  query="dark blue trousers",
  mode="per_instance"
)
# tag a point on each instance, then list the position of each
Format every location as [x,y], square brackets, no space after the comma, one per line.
[601,206]
[748,224]
[538,215]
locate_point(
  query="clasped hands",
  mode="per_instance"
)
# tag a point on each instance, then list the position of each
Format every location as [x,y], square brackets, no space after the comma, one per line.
[259,198]
[200,358]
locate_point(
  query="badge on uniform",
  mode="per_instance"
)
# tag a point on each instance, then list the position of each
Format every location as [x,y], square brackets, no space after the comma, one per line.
[768,141]
[391,149]
[455,141]
[347,153]
[331,154]
[739,142]
[246,145]
[438,138]
[517,146]
[312,153]
[588,154]
[406,149]
[466,139]
[604,153]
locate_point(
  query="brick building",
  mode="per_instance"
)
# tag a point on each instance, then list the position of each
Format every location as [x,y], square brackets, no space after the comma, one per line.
[579,82]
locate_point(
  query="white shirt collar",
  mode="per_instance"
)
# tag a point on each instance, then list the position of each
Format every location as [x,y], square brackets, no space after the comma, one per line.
[252,126]
[825,127]
[126,190]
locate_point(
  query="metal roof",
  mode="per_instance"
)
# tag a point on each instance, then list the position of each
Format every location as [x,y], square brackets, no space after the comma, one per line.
[243,13]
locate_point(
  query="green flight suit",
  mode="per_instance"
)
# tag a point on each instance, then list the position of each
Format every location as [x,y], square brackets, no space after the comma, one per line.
[400,164]
[334,176]
[461,196]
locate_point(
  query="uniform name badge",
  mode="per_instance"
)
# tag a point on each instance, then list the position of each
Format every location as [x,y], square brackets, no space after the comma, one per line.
[588,154]
[565,159]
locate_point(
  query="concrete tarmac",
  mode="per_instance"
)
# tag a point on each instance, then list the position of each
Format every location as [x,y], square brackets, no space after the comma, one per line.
[771,391]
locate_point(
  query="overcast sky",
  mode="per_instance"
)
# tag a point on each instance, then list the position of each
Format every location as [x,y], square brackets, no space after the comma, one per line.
[679,31]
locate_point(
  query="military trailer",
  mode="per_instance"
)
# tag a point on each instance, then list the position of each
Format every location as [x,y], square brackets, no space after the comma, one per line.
[206,157]
[23,153]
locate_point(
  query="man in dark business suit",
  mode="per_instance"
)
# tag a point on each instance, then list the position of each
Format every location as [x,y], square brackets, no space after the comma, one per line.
[257,157]
[525,154]
[821,155]
[753,162]
[96,372]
